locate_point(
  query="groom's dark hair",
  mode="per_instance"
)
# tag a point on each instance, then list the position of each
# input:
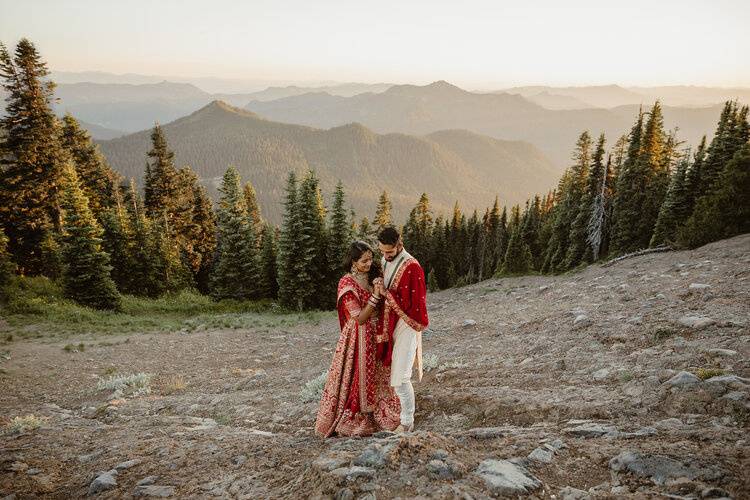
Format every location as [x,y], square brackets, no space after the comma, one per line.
[389,235]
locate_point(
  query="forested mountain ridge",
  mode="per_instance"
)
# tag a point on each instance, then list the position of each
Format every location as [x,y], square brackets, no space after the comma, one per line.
[451,165]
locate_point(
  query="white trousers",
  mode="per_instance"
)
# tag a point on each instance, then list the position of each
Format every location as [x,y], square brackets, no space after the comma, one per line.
[402,362]
[404,352]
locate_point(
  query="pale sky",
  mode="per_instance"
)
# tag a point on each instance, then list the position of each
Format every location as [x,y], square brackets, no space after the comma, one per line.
[487,43]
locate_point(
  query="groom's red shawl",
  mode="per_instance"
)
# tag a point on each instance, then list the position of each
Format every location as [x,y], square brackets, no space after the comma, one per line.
[405,299]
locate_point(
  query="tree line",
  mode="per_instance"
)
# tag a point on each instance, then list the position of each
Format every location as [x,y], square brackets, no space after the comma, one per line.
[66,214]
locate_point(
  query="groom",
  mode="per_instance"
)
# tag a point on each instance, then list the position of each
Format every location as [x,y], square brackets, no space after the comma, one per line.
[404,318]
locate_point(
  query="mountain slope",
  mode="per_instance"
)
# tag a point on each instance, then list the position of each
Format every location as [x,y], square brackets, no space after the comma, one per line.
[422,110]
[449,166]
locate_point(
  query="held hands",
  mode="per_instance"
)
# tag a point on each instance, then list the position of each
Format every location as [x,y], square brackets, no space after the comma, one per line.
[377,293]
[379,289]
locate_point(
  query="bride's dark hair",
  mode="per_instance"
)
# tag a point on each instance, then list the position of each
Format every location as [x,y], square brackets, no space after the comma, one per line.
[356,250]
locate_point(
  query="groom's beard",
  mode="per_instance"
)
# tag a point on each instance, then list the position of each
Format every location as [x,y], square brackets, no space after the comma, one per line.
[395,255]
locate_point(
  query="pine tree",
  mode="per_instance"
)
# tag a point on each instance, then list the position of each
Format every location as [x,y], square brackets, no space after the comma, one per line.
[599,220]
[312,270]
[364,230]
[236,271]
[579,249]
[31,157]
[269,286]
[201,237]
[161,184]
[51,257]
[674,210]
[98,181]
[339,241]
[383,212]
[116,242]
[438,253]
[7,267]
[432,285]
[628,197]
[86,266]
[490,237]
[518,256]
[289,246]
[171,271]
[503,237]
[570,190]
[725,211]
[253,209]
[417,231]
[147,271]
[530,231]
[693,176]
[470,244]
[719,151]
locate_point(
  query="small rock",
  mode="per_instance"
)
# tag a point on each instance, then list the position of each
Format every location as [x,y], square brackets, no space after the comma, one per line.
[375,455]
[570,493]
[468,322]
[555,445]
[581,320]
[600,375]
[620,490]
[715,492]
[127,465]
[660,469]
[699,286]
[504,477]
[239,460]
[103,482]
[32,471]
[683,378]
[541,455]
[153,491]
[732,381]
[722,352]
[591,430]
[147,481]
[444,470]
[642,432]
[344,494]
[327,464]
[439,455]
[351,473]
[696,322]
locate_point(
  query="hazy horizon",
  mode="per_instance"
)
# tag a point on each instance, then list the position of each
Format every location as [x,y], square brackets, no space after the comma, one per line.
[476,45]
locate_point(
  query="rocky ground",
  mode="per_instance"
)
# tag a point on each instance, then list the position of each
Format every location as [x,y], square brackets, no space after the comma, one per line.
[631,380]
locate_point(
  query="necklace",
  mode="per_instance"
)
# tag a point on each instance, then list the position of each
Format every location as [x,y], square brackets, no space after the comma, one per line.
[360,278]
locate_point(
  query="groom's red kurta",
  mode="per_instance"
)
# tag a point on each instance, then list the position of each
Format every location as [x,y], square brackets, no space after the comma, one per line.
[405,299]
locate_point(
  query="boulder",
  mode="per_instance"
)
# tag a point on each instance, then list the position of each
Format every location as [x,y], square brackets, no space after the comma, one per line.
[504,477]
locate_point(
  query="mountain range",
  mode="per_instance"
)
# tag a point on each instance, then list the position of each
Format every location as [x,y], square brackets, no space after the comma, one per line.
[449,165]
[132,107]
[422,110]
[610,96]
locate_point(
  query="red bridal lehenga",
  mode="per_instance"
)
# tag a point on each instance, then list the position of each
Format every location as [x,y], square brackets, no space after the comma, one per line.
[357,399]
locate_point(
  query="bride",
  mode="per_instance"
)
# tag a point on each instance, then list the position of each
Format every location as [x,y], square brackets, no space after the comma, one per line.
[357,399]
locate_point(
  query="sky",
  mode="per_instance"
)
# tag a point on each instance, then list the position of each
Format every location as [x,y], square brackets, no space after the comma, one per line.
[477,44]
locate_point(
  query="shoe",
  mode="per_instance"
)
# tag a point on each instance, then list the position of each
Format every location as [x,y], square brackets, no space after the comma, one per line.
[404,428]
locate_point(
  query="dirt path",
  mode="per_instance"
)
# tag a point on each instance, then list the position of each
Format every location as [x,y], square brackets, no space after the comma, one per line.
[584,369]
